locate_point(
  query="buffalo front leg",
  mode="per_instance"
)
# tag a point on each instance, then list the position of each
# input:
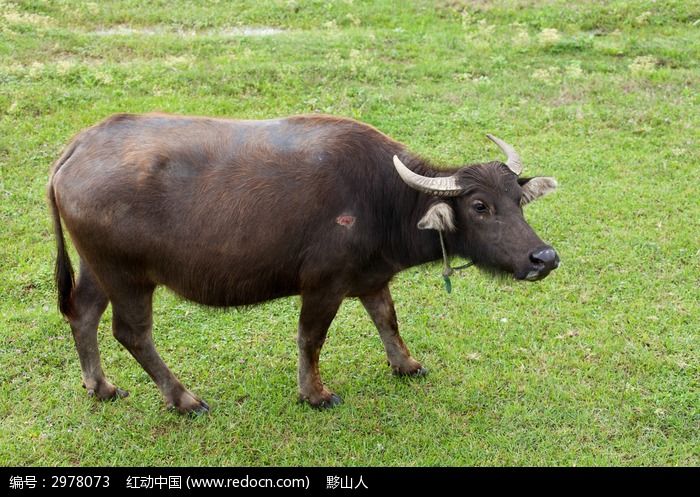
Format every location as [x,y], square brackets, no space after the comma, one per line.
[380,308]
[89,302]
[317,313]
[132,327]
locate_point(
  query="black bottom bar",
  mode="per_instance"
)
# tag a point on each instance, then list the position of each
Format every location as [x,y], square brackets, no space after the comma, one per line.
[328,481]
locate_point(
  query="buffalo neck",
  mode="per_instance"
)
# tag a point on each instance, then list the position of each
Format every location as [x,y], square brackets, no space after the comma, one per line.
[408,245]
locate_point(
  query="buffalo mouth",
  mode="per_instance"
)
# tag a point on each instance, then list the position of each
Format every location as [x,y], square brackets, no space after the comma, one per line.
[536,272]
[542,261]
[534,275]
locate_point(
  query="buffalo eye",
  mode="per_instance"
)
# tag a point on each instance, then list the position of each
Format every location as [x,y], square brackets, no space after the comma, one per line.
[480,207]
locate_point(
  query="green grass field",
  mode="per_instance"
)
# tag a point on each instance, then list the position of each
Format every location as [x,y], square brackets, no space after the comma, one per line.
[596,365]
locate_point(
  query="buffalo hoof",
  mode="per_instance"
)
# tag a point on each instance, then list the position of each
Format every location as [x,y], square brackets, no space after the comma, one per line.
[106,391]
[415,373]
[202,409]
[335,400]
[324,403]
[194,410]
[189,404]
[119,393]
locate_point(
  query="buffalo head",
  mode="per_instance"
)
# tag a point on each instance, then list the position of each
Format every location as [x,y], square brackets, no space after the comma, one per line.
[480,211]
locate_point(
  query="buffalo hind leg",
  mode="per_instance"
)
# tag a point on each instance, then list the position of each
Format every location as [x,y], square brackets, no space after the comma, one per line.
[380,308]
[317,313]
[89,303]
[132,322]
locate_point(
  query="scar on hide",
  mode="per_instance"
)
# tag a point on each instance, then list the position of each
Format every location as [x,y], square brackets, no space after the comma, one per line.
[345,220]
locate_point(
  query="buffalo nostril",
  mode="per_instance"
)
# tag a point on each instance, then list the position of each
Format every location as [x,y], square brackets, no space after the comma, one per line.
[546,256]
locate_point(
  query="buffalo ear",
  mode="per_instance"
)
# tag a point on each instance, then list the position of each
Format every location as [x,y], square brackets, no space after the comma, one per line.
[534,188]
[440,216]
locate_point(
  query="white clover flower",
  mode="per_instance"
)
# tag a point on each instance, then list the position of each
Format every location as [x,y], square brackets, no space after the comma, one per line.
[549,36]
[36,69]
[573,70]
[548,75]
[485,29]
[63,66]
[104,78]
[643,64]
[521,38]
[355,21]
[642,18]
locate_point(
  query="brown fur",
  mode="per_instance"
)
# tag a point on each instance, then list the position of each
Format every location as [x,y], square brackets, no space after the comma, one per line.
[229,213]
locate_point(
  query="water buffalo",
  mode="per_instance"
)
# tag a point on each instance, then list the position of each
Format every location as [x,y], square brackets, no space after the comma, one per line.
[235,212]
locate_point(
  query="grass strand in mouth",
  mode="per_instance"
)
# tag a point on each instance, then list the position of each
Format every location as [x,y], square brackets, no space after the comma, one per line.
[597,364]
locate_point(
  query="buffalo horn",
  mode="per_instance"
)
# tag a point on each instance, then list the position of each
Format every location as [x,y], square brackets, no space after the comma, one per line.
[513,161]
[442,186]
